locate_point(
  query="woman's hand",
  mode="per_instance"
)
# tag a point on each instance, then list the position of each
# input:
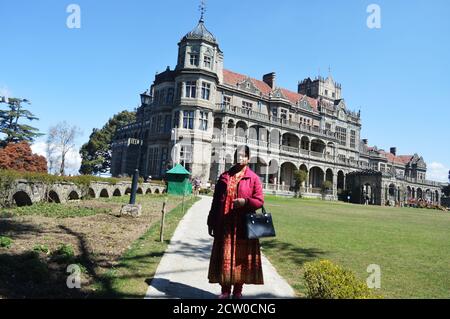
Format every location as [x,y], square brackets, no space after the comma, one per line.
[239,202]
[211,231]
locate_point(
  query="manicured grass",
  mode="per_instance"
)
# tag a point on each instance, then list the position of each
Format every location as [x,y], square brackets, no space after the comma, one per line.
[136,268]
[412,246]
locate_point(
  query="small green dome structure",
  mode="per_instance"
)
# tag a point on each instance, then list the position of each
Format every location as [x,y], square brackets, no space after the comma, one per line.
[178,182]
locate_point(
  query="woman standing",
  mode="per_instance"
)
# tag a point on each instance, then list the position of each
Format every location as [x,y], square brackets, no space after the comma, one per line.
[235,260]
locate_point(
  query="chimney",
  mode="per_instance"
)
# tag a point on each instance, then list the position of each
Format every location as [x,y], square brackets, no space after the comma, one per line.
[269,78]
[394,151]
[365,141]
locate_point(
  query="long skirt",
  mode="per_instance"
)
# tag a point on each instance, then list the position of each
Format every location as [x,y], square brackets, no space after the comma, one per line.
[235,259]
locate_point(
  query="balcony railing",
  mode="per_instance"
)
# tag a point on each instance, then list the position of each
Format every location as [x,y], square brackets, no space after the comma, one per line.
[272,120]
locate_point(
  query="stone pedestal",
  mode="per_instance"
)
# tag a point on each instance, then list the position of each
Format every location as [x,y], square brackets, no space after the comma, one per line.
[131,210]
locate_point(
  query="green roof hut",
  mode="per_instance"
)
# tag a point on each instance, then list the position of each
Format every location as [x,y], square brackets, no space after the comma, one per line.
[178,181]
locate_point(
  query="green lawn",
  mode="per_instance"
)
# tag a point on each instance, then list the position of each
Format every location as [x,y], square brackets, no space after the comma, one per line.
[412,246]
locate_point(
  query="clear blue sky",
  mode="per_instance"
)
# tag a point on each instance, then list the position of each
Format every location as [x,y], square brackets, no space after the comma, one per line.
[399,75]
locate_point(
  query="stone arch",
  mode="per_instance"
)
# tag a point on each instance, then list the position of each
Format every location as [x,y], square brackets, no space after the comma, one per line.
[241,129]
[157,191]
[128,191]
[408,192]
[274,136]
[273,171]
[428,194]
[53,197]
[258,132]
[104,193]
[305,143]
[340,180]
[419,193]
[316,177]
[117,192]
[331,149]
[329,175]
[258,164]
[318,146]
[21,198]
[148,191]
[230,127]
[73,195]
[287,170]
[91,193]
[139,191]
[290,139]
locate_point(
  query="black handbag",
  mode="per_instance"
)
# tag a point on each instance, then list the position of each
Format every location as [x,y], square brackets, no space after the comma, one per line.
[259,225]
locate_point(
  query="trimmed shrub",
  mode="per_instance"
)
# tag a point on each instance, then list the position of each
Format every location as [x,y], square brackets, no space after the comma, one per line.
[5,242]
[326,280]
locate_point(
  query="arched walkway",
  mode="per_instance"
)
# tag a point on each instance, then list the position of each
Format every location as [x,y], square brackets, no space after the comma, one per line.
[53,197]
[73,196]
[316,178]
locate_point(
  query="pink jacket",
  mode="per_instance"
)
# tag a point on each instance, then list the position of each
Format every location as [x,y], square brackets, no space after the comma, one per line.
[249,188]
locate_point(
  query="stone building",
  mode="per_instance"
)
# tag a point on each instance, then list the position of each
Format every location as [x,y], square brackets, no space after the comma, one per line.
[199,112]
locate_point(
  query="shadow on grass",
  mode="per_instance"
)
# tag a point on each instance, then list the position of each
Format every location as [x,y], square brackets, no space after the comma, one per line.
[291,253]
[17,229]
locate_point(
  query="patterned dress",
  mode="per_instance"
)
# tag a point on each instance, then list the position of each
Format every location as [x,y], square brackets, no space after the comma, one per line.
[234,259]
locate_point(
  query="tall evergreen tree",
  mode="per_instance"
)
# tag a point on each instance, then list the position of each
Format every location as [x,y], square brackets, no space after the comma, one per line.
[96,153]
[9,123]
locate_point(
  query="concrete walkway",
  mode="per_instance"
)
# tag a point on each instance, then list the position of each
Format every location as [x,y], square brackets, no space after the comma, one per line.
[183,270]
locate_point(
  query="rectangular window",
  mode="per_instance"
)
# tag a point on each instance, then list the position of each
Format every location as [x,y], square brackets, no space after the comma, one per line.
[186,155]
[194,59]
[283,114]
[274,112]
[259,106]
[188,120]
[191,88]
[326,92]
[153,124]
[203,121]
[206,89]
[328,126]
[227,100]
[167,120]
[207,61]
[158,124]
[169,98]
[352,138]
[247,105]
[341,135]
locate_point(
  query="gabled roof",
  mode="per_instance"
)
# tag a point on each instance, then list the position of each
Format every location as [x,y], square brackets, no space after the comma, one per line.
[400,159]
[233,79]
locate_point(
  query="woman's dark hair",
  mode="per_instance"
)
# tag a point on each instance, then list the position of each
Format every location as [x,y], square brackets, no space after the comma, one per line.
[247,152]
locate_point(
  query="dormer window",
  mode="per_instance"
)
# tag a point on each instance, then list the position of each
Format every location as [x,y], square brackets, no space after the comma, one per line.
[248,85]
[207,61]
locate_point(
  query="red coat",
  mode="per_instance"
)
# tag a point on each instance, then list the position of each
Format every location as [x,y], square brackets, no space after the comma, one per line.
[249,188]
[235,259]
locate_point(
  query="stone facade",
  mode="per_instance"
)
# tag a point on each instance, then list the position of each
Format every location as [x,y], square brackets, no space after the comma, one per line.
[198,113]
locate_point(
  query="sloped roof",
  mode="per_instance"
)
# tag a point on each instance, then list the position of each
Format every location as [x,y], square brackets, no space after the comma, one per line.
[233,78]
[200,32]
[178,169]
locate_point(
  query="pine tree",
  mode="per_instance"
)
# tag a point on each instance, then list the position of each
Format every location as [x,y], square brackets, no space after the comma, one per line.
[9,123]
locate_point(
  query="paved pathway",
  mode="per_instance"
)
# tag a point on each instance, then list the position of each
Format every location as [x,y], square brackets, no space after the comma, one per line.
[183,270]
